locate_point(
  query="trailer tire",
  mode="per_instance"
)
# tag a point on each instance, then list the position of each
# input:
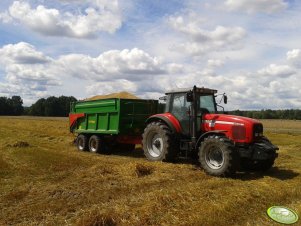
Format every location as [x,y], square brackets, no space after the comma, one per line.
[159,144]
[98,145]
[94,144]
[82,142]
[218,157]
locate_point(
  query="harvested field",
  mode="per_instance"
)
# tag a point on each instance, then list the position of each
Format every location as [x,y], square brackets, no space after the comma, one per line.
[44,180]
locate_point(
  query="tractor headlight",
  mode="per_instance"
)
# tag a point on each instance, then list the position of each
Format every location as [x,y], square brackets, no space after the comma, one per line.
[257,130]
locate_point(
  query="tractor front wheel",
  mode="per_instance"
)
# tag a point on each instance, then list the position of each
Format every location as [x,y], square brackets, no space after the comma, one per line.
[218,157]
[159,144]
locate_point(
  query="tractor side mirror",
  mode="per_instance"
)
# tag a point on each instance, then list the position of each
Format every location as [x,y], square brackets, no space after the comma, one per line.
[225,99]
[189,96]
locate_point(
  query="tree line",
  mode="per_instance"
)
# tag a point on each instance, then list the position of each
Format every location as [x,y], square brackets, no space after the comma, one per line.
[293,114]
[11,106]
[60,106]
[51,106]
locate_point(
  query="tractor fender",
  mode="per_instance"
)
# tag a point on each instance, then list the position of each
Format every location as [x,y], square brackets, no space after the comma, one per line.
[168,119]
[213,132]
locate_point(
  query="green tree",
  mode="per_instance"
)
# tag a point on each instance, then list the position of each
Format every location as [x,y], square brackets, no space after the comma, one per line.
[4,106]
[38,108]
[16,103]
[52,106]
[64,102]
[11,106]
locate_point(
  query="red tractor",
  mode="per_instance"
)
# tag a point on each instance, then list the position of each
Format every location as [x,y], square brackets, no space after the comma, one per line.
[191,126]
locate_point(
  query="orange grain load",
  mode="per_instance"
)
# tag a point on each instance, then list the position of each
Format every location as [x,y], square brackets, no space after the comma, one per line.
[124,95]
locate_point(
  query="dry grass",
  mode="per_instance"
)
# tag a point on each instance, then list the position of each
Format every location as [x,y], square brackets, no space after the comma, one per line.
[51,183]
[283,126]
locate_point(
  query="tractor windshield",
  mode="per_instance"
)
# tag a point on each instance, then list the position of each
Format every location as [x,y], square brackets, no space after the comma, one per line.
[207,103]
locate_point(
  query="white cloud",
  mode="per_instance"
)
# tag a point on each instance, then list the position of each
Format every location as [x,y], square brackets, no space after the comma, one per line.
[129,61]
[5,17]
[174,68]
[24,65]
[213,63]
[101,15]
[277,71]
[294,57]
[28,71]
[201,40]
[31,73]
[113,64]
[101,88]
[22,53]
[293,54]
[254,6]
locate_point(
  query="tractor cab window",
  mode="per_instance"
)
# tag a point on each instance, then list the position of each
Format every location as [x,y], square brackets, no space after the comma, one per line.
[180,106]
[207,103]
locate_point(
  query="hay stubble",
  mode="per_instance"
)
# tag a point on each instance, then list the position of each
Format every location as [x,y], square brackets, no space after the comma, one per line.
[49,182]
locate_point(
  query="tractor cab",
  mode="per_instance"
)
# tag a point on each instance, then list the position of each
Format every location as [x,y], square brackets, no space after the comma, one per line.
[182,99]
[189,105]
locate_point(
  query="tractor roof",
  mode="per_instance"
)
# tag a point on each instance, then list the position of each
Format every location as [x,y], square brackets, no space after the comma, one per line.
[199,90]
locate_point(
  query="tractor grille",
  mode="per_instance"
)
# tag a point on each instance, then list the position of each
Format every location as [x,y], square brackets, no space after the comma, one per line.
[257,130]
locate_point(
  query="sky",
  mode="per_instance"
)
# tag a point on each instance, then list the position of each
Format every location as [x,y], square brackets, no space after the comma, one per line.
[250,50]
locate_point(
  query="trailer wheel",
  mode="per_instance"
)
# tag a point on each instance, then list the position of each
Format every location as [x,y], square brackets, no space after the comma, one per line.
[158,143]
[218,157]
[98,145]
[94,144]
[82,142]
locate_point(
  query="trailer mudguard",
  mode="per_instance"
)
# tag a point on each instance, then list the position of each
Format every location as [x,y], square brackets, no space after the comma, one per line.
[73,119]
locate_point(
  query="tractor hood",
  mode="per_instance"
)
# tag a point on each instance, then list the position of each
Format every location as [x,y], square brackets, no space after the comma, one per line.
[230,118]
[238,128]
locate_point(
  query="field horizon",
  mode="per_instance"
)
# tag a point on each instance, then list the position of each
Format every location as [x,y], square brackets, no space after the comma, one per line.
[44,180]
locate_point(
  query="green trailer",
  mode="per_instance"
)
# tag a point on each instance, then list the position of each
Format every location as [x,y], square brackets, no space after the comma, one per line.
[105,124]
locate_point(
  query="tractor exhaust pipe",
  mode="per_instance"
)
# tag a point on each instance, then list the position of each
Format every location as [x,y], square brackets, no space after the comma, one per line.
[194,117]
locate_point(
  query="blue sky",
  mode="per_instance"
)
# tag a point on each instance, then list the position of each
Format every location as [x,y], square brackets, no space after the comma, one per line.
[249,49]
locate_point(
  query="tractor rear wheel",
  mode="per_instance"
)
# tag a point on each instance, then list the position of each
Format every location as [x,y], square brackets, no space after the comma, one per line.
[159,144]
[218,157]
[82,142]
